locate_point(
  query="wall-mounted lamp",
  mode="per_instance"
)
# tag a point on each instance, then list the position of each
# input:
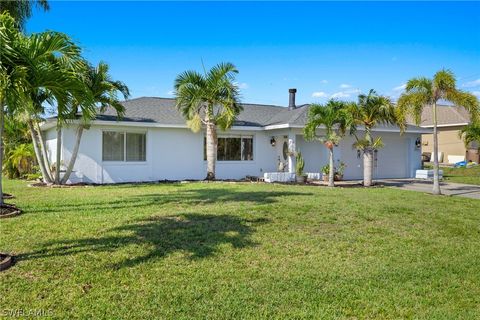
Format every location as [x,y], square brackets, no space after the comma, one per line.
[418,143]
[273,142]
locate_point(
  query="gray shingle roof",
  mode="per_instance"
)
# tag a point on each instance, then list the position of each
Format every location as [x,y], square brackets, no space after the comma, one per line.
[446,115]
[163,111]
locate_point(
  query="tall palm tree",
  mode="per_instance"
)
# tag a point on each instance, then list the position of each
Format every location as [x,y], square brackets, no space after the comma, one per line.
[104,91]
[210,99]
[12,78]
[51,61]
[370,110]
[421,92]
[333,118]
[21,10]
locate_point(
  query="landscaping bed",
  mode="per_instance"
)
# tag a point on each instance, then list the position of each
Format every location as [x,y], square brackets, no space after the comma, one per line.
[6,261]
[9,211]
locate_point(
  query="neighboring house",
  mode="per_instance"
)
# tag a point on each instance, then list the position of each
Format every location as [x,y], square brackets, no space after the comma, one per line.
[450,120]
[152,142]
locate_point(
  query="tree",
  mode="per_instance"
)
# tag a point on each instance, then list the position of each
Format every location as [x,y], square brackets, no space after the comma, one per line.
[104,91]
[370,110]
[334,119]
[421,92]
[21,10]
[470,133]
[12,78]
[210,100]
[52,64]
[19,157]
[49,63]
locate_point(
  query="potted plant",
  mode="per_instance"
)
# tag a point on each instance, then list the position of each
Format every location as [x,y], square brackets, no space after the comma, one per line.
[299,166]
[339,171]
[325,172]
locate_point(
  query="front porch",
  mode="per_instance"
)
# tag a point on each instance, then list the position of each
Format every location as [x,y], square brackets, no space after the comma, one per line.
[287,143]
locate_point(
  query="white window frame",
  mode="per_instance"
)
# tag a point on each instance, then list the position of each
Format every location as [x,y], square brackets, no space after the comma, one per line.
[124,161]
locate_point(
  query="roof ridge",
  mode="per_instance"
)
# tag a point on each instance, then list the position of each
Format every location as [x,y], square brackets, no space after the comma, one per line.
[299,114]
[242,103]
[455,108]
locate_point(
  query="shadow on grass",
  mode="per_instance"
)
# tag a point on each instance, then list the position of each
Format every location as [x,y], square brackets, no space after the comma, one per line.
[180,196]
[196,235]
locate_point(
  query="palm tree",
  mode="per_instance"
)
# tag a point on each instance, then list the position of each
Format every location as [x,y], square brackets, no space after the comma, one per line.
[12,78]
[421,92]
[52,63]
[21,10]
[370,110]
[209,100]
[470,134]
[104,91]
[334,118]
[21,158]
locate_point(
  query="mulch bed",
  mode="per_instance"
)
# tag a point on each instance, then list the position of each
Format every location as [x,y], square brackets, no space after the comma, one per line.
[8,211]
[6,261]
[49,185]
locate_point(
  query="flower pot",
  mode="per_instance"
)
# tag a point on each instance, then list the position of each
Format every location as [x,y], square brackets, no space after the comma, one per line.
[338,177]
[325,177]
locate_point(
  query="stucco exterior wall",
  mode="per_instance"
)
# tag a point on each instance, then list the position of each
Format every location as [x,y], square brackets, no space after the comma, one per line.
[448,142]
[177,154]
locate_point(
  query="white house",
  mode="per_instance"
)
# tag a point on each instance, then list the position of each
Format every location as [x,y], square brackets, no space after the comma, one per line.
[152,142]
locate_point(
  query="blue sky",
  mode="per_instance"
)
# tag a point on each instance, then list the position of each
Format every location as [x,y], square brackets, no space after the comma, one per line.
[323,49]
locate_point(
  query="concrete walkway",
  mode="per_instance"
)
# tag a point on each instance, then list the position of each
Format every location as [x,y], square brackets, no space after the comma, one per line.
[448,188]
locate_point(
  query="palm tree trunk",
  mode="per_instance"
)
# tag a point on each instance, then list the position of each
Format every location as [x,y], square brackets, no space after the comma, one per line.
[44,151]
[331,173]
[1,152]
[367,167]
[211,150]
[73,158]
[436,180]
[59,155]
[40,158]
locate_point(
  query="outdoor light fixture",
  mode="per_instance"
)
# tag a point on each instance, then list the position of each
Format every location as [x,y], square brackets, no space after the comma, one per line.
[273,142]
[418,143]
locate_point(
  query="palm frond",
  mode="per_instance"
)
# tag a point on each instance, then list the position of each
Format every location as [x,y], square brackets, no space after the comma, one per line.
[470,134]
[213,97]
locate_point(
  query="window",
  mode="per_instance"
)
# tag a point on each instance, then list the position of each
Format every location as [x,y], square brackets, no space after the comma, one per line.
[232,149]
[113,146]
[136,147]
[124,146]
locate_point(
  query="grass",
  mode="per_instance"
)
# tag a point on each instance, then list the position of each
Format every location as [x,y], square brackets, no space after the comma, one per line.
[462,175]
[226,250]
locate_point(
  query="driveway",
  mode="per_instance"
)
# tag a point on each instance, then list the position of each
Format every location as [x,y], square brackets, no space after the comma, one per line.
[448,188]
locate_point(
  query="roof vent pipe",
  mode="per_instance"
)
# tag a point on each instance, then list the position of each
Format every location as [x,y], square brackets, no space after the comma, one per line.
[291,99]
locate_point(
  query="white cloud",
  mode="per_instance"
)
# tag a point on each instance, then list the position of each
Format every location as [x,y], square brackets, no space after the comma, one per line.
[324,81]
[400,87]
[344,94]
[472,84]
[345,86]
[477,93]
[242,85]
[319,94]
[171,93]
[340,94]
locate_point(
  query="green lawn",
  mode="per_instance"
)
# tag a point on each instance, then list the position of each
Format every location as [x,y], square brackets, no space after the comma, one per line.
[462,175]
[226,250]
